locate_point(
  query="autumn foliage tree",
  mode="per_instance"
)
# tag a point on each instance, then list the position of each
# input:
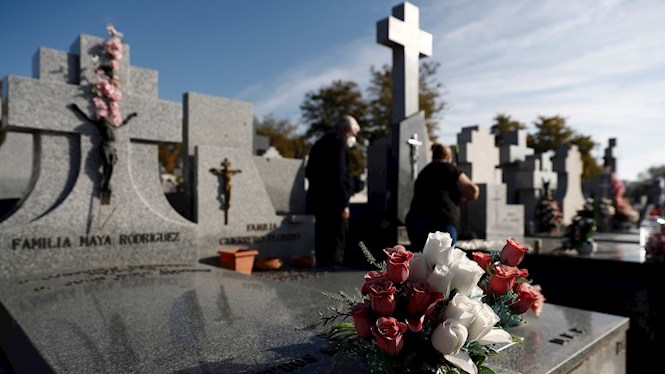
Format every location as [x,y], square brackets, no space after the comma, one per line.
[283,135]
[550,134]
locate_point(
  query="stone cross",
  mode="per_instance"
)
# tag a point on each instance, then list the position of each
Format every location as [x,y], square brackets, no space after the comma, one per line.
[225,196]
[402,33]
[414,144]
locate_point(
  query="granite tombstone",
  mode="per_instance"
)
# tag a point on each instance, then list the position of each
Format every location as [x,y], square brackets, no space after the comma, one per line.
[232,207]
[490,216]
[62,222]
[395,163]
[567,163]
[108,288]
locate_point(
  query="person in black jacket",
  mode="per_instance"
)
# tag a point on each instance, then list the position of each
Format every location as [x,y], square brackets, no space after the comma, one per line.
[330,187]
[439,189]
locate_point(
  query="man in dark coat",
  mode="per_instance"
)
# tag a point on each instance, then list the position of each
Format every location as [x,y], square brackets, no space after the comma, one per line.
[330,187]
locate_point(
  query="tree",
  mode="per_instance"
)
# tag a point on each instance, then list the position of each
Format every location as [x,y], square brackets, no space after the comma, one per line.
[503,124]
[283,136]
[380,104]
[321,109]
[553,132]
[170,156]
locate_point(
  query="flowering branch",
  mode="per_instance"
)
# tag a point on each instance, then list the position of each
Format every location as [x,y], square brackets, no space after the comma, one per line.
[107,88]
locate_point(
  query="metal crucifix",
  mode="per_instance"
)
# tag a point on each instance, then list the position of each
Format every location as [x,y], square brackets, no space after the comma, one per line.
[225,173]
[414,144]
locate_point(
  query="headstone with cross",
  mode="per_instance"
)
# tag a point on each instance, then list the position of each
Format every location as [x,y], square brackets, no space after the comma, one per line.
[490,216]
[567,163]
[62,217]
[401,32]
[252,221]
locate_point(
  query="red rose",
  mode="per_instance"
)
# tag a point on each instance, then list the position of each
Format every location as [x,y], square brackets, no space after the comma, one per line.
[382,296]
[421,301]
[362,320]
[525,298]
[388,334]
[397,268]
[483,259]
[538,304]
[503,278]
[512,253]
[370,278]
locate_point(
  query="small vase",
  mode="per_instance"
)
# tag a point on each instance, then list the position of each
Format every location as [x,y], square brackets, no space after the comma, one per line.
[240,260]
[587,248]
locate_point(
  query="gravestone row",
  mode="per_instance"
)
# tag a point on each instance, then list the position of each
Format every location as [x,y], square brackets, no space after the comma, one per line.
[61,222]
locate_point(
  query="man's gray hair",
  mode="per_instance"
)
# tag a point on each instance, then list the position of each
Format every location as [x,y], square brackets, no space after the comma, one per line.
[347,122]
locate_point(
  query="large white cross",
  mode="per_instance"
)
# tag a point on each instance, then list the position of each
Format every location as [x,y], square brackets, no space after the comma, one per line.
[402,33]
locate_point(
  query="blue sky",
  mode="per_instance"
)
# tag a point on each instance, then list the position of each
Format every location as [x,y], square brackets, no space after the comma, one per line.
[600,63]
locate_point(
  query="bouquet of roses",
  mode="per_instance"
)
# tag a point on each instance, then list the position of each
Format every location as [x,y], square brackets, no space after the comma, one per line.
[548,214]
[420,312]
[506,288]
[581,228]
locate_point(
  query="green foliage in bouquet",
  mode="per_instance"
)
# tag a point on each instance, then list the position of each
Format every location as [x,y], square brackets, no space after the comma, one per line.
[417,313]
[582,227]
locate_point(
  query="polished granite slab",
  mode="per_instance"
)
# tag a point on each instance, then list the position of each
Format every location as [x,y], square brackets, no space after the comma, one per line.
[158,319]
[203,319]
[560,339]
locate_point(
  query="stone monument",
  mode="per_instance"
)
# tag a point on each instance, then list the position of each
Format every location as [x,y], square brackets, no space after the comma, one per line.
[490,216]
[567,163]
[62,223]
[234,210]
[395,163]
[123,279]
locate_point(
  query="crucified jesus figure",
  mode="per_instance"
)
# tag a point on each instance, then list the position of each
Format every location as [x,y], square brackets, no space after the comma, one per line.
[226,174]
[108,151]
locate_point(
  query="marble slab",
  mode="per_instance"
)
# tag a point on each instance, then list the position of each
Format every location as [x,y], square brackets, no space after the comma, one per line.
[158,319]
[203,319]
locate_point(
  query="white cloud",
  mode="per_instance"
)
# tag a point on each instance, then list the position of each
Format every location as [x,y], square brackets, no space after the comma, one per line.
[599,64]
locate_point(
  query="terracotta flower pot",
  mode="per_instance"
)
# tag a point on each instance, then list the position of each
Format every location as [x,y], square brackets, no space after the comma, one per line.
[240,260]
[268,263]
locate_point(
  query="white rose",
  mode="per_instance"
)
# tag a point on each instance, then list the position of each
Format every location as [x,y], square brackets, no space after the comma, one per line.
[440,279]
[466,273]
[483,323]
[418,268]
[478,320]
[437,248]
[461,305]
[449,337]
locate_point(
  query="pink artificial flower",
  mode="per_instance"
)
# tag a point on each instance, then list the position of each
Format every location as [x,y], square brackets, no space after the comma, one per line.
[525,298]
[483,259]
[112,31]
[114,92]
[539,302]
[397,268]
[513,253]
[115,65]
[101,109]
[382,296]
[115,117]
[362,319]
[421,302]
[104,87]
[388,334]
[503,278]
[113,48]
[370,277]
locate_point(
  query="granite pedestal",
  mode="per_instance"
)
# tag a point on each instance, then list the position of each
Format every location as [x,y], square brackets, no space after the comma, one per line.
[203,319]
